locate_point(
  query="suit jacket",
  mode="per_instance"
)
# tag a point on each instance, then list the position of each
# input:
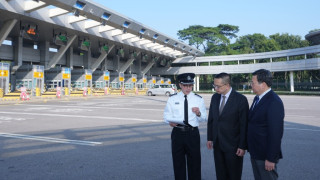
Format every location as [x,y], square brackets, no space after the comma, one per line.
[229,128]
[265,128]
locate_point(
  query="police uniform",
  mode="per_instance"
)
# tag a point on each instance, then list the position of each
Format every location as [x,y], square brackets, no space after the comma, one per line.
[185,137]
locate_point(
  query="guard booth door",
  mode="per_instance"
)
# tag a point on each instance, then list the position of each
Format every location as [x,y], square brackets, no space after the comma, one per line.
[3,84]
[39,85]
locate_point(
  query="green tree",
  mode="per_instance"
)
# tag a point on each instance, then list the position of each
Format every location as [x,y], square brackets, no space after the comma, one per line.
[255,43]
[204,37]
[287,41]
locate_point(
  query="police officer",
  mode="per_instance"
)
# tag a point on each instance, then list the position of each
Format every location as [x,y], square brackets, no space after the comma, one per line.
[183,112]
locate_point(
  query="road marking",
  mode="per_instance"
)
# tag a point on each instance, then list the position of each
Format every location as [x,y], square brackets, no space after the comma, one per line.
[300,116]
[91,107]
[48,139]
[87,117]
[303,129]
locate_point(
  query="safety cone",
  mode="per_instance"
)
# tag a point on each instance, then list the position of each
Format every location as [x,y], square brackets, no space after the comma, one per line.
[28,97]
[58,94]
[122,91]
[23,96]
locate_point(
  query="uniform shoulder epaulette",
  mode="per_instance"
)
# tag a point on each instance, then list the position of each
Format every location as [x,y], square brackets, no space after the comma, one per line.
[173,94]
[198,95]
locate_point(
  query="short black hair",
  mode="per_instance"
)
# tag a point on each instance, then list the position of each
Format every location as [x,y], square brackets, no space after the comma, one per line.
[226,78]
[263,75]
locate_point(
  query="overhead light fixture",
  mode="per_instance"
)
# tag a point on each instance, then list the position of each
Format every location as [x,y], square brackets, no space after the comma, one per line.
[76,12]
[166,41]
[105,16]
[141,32]
[155,36]
[183,47]
[125,26]
[175,44]
[79,5]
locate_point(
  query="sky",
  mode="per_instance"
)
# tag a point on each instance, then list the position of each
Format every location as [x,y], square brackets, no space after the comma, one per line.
[267,17]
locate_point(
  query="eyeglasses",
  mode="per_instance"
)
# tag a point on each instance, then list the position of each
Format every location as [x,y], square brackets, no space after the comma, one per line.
[217,87]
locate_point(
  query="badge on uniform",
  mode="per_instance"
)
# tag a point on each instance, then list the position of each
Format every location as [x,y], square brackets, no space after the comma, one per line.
[176,103]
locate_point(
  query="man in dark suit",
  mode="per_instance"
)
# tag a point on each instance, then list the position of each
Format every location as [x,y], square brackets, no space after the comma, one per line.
[227,128]
[265,127]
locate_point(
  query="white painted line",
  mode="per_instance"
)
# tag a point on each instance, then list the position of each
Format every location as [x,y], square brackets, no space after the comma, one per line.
[300,116]
[87,117]
[91,107]
[48,139]
[303,129]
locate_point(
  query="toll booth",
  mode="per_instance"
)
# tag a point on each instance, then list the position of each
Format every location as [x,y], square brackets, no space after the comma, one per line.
[4,78]
[31,77]
[167,81]
[98,80]
[142,82]
[131,81]
[114,80]
[58,77]
[152,81]
[160,80]
[121,80]
[81,78]
[106,78]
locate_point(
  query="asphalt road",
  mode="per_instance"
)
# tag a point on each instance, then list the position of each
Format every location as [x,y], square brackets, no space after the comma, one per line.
[124,137]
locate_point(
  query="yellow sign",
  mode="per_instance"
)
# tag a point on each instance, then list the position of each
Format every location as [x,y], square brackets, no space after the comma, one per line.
[161,81]
[4,73]
[134,80]
[144,80]
[88,77]
[169,82]
[153,81]
[65,76]
[38,74]
[106,78]
[121,79]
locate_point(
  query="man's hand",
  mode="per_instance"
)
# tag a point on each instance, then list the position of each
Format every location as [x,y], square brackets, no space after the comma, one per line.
[173,124]
[269,165]
[196,110]
[209,144]
[240,152]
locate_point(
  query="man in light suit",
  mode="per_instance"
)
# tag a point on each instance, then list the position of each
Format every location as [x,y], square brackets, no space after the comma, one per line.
[227,128]
[265,127]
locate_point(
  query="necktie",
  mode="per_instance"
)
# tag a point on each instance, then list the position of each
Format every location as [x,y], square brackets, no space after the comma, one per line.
[222,104]
[255,101]
[185,110]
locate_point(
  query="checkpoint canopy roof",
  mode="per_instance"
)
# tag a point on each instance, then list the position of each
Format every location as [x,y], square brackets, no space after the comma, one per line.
[86,18]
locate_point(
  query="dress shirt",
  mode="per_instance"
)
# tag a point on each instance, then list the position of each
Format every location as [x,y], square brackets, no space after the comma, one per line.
[261,96]
[174,110]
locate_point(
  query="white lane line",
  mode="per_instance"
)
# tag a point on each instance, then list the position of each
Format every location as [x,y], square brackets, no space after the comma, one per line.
[300,116]
[96,107]
[48,139]
[79,116]
[303,129]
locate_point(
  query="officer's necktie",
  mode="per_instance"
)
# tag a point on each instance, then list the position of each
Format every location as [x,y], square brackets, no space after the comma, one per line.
[185,110]
[222,104]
